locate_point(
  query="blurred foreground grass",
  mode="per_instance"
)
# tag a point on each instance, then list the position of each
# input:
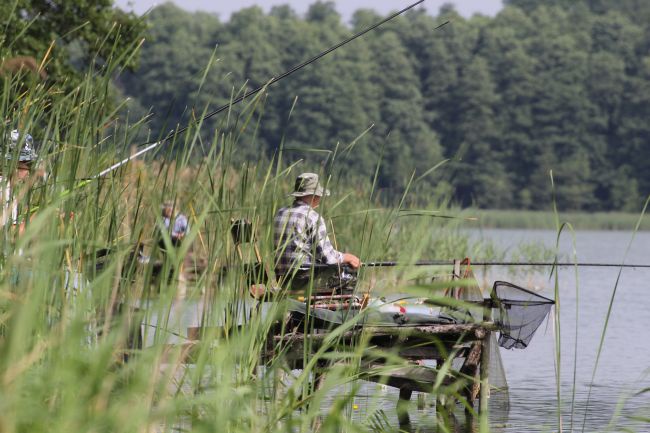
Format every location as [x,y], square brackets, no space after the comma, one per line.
[72,294]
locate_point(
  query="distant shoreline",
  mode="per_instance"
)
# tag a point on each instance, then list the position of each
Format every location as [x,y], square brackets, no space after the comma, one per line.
[524,219]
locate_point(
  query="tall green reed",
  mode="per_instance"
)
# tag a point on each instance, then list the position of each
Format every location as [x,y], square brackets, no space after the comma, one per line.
[561,228]
[68,325]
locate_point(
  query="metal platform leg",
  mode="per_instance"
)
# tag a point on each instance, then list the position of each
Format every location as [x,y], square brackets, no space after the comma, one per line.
[403,406]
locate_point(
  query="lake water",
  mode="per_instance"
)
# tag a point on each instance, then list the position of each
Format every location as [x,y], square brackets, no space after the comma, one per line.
[624,365]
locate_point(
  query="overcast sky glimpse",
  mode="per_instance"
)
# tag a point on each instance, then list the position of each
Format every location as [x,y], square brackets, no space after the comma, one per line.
[346,7]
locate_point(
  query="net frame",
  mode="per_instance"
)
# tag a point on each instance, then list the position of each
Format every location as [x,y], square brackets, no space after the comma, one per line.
[517,319]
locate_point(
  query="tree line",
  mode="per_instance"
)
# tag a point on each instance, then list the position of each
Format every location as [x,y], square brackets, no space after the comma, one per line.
[557,85]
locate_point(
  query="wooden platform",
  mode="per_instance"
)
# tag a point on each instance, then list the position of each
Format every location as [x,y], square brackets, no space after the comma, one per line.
[413,344]
[418,346]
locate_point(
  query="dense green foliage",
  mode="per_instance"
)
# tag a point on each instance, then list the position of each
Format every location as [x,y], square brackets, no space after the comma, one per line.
[70,309]
[537,88]
[56,33]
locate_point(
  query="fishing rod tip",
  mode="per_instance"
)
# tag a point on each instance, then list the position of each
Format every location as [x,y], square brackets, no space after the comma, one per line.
[442,25]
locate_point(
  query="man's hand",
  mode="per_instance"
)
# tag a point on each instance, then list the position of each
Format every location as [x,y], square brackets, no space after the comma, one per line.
[257,290]
[352,260]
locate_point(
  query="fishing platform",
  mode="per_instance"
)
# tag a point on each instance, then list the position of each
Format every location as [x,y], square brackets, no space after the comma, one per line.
[444,345]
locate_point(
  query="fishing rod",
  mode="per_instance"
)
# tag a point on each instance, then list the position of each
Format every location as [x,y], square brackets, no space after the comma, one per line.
[153,144]
[85,181]
[392,264]
[121,163]
[150,145]
[295,69]
[562,264]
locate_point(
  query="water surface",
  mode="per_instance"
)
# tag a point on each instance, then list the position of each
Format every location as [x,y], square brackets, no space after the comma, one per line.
[624,365]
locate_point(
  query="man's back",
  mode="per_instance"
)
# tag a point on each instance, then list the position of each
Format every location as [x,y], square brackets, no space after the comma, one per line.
[181,226]
[301,238]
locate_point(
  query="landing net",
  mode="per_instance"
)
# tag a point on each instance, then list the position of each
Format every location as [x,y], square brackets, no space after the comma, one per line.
[518,313]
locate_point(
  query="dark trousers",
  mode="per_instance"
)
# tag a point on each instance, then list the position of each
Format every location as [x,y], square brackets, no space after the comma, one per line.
[330,280]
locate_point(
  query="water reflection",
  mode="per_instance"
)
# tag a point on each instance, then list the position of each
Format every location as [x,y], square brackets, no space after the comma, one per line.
[615,403]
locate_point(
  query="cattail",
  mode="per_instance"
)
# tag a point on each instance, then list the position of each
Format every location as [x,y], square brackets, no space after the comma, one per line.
[20,64]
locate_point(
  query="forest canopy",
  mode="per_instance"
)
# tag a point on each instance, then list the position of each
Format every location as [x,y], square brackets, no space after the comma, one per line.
[557,85]
[65,37]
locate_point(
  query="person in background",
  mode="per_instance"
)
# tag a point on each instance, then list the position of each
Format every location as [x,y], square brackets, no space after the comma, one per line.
[20,157]
[180,226]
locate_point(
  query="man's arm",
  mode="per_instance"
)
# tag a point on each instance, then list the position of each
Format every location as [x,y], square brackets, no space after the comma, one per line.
[330,255]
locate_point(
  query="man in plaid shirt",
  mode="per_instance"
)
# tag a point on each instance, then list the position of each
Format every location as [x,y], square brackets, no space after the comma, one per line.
[300,232]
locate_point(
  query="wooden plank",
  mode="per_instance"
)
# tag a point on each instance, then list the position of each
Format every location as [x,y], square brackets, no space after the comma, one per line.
[470,368]
[400,331]
[484,373]
[402,406]
[411,378]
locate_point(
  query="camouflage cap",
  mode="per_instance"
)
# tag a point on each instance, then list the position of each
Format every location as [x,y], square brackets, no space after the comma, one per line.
[26,152]
[308,184]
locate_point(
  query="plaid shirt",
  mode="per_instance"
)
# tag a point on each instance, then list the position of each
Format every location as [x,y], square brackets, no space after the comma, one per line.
[301,238]
[180,227]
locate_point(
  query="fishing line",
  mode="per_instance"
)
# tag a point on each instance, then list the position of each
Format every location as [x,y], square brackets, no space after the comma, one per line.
[291,71]
[153,144]
[390,264]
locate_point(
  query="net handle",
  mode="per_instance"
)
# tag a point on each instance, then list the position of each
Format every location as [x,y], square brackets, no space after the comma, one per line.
[530,292]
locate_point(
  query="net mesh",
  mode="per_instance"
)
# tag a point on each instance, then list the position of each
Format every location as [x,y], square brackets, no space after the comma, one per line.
[518,313]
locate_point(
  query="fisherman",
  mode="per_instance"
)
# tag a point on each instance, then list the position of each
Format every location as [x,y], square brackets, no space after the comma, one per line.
[177,226]
[301,234]
[21,149]
[180,227]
